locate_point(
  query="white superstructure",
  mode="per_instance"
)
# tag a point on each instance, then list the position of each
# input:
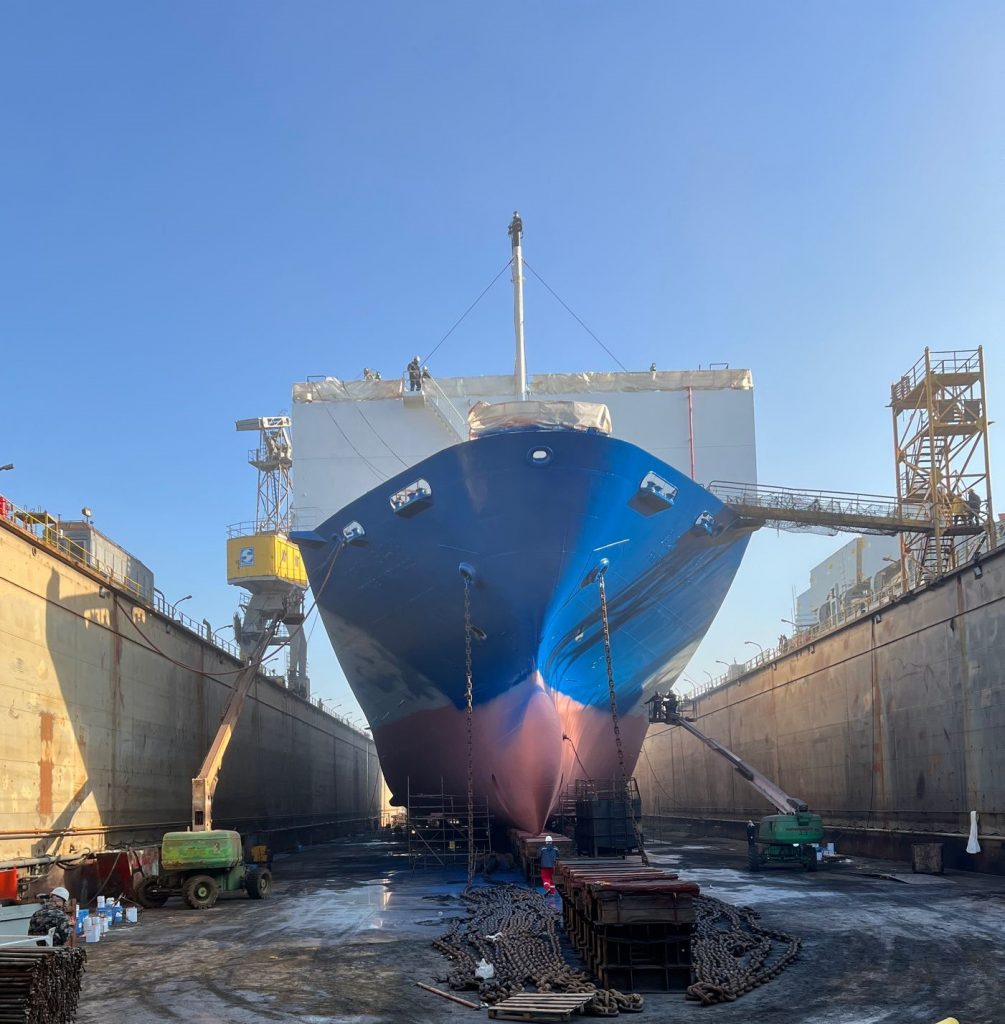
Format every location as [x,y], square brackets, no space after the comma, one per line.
[350,436]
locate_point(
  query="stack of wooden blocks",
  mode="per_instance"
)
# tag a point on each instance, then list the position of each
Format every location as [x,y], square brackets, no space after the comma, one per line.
[632,924]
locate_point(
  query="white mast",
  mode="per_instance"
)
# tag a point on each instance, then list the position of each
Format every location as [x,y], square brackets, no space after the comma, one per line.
[520,373]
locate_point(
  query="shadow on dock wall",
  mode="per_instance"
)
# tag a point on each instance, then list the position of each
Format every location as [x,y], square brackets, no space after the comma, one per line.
[100,734]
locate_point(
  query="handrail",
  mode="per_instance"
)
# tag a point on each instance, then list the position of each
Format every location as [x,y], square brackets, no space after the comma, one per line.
[804,635]
[452,416]
[250,528]
[949,362]
[44,529]
[846,503]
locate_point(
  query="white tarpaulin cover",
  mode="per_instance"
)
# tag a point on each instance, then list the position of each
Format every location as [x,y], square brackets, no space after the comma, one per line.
[487,418]
[331,389]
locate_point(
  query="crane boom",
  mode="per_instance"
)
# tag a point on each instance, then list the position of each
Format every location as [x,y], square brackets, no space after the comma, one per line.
[204,784]
[773,794]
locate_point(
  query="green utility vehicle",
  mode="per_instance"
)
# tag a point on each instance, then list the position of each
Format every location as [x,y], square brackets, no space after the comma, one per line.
[198,866]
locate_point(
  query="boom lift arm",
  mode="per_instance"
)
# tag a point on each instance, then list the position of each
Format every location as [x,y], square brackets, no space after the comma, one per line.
[204,784]
[775,795]
[788,838]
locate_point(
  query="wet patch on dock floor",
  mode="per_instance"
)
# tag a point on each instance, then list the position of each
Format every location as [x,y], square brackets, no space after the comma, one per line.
[347,934]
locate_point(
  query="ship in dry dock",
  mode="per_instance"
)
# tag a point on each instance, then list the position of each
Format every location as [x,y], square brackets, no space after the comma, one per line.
[434,510]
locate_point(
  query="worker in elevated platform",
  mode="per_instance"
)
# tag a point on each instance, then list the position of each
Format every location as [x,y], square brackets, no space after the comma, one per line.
[549,858]
[51,916]
[663,706]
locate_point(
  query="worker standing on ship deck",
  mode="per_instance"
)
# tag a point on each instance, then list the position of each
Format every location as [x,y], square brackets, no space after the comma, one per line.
[52,916]
[549,857]
[415,375]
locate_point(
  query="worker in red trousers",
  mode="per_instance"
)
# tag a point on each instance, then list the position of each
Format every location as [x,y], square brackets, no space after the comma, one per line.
[549,857]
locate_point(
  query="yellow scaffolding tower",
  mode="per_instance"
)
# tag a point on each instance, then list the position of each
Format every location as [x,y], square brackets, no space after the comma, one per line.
[940,430]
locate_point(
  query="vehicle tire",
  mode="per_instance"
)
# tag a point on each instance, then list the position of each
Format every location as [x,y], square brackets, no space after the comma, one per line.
[200,892]
[753,859]
[258,884]
[147,895]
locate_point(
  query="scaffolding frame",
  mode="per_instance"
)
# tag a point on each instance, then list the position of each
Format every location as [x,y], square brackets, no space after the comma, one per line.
[273,458]
[436,825]
[940,431]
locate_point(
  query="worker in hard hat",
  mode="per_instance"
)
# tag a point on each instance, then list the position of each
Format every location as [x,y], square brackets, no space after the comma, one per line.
[415,375]
[51,916]
[549,857]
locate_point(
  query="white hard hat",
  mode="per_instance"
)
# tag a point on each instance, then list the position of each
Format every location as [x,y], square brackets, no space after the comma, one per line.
[547,839]
[62,893]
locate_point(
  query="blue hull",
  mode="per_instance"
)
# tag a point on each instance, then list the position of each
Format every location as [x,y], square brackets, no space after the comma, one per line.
[393,603]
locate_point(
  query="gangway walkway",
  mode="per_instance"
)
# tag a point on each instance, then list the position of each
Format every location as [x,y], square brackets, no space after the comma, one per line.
[793,508]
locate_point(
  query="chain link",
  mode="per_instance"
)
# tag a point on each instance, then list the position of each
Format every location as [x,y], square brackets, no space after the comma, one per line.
[469,697]
[516,930]
[612,692]
[732,954]
[613,695]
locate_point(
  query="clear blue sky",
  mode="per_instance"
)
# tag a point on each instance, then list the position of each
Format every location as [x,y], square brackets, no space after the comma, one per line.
[202,203]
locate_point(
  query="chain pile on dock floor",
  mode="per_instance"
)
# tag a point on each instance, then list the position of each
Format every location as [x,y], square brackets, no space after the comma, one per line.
[732,953]
[516,931]
[40,985]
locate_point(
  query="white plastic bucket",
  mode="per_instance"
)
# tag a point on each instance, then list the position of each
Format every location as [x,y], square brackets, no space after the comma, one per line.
[131,915]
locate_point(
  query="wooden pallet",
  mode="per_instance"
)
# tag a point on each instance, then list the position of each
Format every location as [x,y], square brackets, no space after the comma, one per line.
[544,1006]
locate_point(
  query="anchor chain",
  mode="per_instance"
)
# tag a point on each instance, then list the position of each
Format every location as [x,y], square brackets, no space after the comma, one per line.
[612,692]
[613,695]
[516,930]
[469,698]
[732,953]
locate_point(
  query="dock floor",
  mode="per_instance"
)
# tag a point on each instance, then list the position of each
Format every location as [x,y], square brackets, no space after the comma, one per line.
[347,933]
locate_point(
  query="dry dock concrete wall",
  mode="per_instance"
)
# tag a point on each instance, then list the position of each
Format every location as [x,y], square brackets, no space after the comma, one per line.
[892,727]
[107,709]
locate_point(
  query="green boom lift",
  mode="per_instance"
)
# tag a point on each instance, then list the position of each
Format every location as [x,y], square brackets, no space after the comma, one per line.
[787,838]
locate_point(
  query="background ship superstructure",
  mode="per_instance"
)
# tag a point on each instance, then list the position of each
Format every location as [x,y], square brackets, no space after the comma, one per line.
[532,530]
